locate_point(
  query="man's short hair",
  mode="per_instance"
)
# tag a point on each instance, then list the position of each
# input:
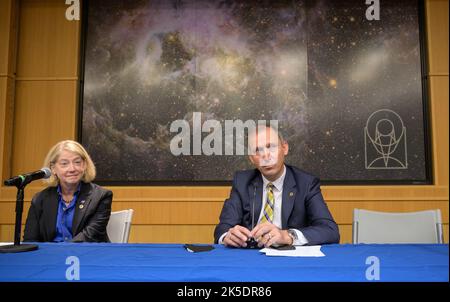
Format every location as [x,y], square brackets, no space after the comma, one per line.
[277,130]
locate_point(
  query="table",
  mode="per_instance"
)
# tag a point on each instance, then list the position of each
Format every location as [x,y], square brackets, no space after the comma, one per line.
[172,263]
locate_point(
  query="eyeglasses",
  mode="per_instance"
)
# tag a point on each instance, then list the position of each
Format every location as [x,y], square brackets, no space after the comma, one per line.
[271,148]
[65,163]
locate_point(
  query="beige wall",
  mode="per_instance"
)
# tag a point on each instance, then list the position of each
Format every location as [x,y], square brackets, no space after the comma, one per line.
[38,107]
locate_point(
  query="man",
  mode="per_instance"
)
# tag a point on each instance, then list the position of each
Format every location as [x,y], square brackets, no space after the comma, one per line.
[286,203]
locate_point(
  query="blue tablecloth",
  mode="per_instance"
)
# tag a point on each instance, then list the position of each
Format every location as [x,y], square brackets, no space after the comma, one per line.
[171,262]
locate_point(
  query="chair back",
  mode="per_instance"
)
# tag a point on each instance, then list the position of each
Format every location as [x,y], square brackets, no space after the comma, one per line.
[119,226]
[385,227]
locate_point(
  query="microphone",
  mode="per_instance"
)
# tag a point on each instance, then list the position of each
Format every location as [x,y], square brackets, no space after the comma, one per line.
[20,181]
[255,185]
[24,179]
[251,242]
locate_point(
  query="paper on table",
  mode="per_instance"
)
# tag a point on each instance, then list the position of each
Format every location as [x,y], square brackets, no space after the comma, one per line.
[300,251]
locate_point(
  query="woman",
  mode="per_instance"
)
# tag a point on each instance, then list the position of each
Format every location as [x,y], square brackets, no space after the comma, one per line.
[71,208]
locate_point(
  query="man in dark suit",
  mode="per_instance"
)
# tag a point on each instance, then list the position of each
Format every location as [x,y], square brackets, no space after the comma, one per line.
[287,204]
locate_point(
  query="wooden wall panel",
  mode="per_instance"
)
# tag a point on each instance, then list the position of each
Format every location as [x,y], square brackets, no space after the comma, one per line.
[172,233]
[153,221]
[48,43]
[181,233]
[44,111]
[204,213]
[437,36]
[7,233]
[5,33]
[219,194]
[8,34]
[147,233]
[439,126]
[6,124]
[44,115]
[8,50]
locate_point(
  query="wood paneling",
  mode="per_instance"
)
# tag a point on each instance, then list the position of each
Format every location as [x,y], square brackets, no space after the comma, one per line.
[7,233]
[204,213]
[8,50]
[8,34]
[208,213]
[439,127]
[48,43]
[181,233]
[44,115]
[5,13]
[44,111]
[437,36]
[219,194]
[172,233]
[6,124]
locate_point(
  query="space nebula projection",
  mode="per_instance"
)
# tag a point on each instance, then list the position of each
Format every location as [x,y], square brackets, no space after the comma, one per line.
[319,68]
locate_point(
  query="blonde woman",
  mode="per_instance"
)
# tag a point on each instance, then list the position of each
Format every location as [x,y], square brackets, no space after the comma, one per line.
[71,208]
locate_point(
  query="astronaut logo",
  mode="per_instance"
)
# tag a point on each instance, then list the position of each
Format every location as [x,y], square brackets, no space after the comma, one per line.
[385,141]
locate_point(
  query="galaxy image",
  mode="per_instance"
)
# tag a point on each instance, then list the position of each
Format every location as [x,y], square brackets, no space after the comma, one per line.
[347,91]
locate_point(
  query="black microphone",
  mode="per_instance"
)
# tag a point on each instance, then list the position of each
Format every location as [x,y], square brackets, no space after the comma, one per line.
[251,242]
[255,185]
[23,179]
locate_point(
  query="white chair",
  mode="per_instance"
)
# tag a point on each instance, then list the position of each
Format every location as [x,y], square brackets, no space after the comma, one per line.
[119,225]
[410,227]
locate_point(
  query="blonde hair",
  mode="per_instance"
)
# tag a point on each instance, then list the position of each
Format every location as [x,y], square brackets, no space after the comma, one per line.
[72,146]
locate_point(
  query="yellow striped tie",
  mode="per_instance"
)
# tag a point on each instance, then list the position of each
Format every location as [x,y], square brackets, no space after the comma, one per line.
[269,206]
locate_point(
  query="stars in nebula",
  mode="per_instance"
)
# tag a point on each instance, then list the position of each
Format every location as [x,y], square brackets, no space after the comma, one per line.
[332,83]
[319,71]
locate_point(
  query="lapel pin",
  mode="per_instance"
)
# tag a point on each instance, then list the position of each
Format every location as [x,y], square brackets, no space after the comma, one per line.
[291,194]
[81,206]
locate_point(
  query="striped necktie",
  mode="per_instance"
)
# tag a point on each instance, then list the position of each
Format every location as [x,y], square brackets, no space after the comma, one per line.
[269,206]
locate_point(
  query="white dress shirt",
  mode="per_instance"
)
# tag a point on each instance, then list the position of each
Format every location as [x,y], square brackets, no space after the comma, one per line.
[278,197]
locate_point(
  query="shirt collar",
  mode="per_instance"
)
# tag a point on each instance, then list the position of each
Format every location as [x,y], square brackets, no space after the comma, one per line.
[58,189]
[278,183]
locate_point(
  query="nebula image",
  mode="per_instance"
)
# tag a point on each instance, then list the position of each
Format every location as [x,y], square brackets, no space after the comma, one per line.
[319,68]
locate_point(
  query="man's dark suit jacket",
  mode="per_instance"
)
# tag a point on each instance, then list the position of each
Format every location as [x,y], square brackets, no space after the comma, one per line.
[89,222]
[303,207]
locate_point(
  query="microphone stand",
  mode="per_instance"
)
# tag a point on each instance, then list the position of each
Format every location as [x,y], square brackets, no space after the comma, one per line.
[17,247]
[251,242]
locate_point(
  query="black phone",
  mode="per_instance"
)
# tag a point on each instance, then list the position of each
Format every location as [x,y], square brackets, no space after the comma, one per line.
[193,248]
[284,247]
